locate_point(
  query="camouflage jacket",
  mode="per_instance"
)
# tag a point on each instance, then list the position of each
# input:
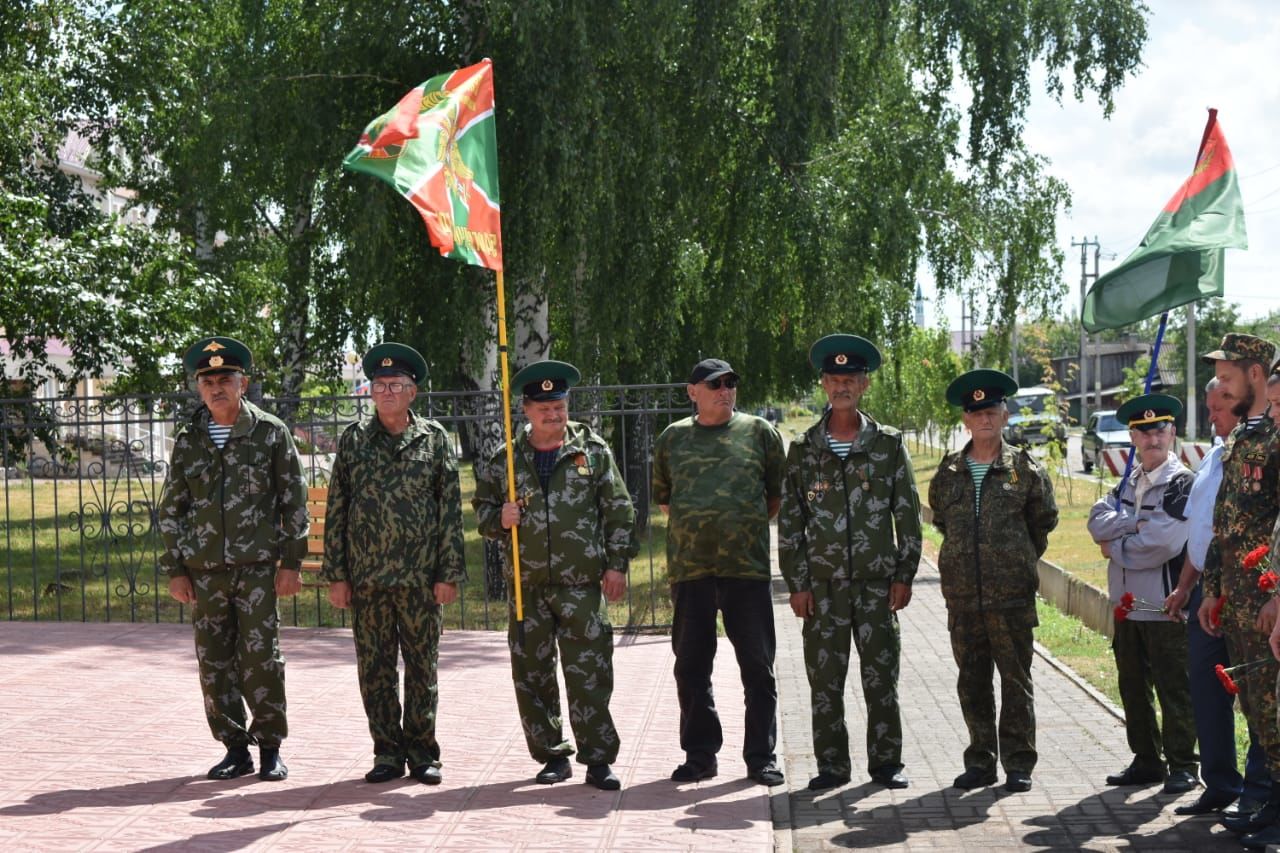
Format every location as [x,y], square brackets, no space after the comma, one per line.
[718,482]
[1244,515]
[988,560]
[394,516]
[856,518]
[246,503]
[575,531]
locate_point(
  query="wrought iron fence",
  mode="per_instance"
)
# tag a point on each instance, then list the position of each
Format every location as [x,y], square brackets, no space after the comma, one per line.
[82,477]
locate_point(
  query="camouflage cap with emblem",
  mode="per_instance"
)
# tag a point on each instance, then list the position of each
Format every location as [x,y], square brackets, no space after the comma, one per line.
[1149,411]
[981,389]
[393,359]
[547,380]
[1237,346]
[217,355]
[844,354]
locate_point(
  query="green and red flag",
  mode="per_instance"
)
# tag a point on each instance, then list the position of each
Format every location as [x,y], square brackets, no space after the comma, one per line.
[1181,258]
[439,148]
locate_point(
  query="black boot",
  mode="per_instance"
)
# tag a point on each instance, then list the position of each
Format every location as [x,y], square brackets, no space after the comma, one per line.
[273,769]
[233,765]
[1249,823]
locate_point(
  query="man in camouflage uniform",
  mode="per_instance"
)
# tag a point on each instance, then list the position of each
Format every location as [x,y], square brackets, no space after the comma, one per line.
[718,475]
[849,545]
[994,506]
[235,506]
[393,553]
[574,518]
[1244,517]
[1141,528]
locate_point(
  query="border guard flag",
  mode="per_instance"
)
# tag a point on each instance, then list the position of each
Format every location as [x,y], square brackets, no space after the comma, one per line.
[439,148]
[1181,258]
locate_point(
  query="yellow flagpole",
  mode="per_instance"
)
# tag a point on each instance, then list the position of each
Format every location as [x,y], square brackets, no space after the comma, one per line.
[511,462]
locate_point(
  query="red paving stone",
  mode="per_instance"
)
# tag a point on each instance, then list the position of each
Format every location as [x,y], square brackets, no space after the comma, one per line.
[105,748]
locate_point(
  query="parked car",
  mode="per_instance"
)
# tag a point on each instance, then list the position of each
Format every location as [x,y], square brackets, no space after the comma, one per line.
[1101,433]
[1034,418]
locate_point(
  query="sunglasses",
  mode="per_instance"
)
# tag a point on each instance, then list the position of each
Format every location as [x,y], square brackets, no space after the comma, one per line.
[729,382]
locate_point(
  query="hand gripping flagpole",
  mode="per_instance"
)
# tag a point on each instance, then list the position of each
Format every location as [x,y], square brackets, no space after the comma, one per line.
[511,462]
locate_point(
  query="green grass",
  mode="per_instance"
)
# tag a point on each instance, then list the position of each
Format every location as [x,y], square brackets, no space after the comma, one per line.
[66,558]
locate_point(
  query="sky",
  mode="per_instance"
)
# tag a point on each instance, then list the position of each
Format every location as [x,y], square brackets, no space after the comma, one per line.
[1123,169]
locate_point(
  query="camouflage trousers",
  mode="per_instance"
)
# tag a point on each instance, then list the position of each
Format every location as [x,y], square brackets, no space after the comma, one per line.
[388,622]
[574,619]
[1155,654]
[237,635]
[844,609]
[983,641]
[1258,684]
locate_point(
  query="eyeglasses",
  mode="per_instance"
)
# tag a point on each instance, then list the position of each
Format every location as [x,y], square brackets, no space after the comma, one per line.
[729,382]
[393,387]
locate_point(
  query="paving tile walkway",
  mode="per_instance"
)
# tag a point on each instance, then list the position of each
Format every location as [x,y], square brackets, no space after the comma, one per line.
[1079,740]
[103,747]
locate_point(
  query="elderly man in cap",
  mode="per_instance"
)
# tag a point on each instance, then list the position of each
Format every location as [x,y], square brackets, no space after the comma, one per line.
[1141,528]
[718,475]
[1244,517]
[233,517]
[393,554]
[849,545]
[575,516]
[994,506]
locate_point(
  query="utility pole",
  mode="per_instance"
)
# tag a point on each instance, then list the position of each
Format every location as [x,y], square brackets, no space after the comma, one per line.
[1084,336]
[1097,345]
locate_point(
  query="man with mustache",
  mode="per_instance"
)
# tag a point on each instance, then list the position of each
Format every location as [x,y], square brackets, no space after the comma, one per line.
[849,543]
[1244,516]
[718,476]
[234,521]
[575,516]
[393,553]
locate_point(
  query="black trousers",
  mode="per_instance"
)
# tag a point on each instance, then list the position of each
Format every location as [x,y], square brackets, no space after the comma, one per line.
[747,607]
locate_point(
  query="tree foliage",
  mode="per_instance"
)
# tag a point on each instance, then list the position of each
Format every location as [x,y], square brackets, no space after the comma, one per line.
[679,179]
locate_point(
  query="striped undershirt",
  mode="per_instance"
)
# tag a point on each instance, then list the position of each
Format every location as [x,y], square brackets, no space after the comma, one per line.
[219,434]
[839,448]
[978,470]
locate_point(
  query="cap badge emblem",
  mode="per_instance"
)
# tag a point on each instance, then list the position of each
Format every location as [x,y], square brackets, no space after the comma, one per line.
[212,346]
[979,395]
[842,359]
[1149,414]
[216,361]
[547,385]
[386,362]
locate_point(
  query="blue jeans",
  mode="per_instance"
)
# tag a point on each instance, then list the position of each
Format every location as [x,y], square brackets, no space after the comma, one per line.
[1215,720]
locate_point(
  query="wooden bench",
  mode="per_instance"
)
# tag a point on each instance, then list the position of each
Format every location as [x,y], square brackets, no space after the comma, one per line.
[317,500]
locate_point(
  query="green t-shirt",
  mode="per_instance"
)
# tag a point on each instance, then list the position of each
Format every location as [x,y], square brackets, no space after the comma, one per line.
[718,481]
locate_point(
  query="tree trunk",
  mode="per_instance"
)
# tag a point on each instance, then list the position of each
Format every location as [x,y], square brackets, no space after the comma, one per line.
[293,322]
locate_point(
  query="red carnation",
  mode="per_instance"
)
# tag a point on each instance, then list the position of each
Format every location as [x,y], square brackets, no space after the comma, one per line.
[1254,557]
[1267,581]
[1122,613]
[1228,684]
[1215,614]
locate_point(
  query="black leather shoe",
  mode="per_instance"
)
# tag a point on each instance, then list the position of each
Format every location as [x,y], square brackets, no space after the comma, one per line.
[889,777]
[1017,782]
[1242,806]
[233,765]
[974,777]
[1263,838]
[427,774]
[603,777]
[384,773]
[1133,775]
[692,771]
[1250,822]
[1179,782]
[555,770]
[767,774]
[272,769]
[1207,803]
[825,780]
